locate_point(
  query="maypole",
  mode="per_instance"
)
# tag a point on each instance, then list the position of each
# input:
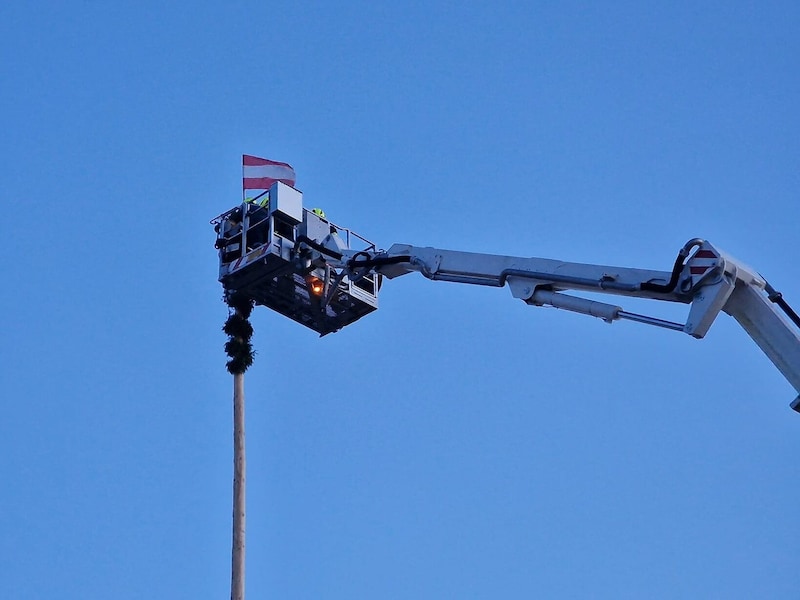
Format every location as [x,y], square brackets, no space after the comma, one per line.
[240,351]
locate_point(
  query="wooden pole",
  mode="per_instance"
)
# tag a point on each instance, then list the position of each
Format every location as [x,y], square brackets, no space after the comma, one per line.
[239,471]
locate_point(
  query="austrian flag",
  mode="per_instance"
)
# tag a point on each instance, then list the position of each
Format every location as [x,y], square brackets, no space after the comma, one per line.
[260,173]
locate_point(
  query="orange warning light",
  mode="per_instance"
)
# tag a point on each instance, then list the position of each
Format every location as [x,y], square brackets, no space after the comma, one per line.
[315,285]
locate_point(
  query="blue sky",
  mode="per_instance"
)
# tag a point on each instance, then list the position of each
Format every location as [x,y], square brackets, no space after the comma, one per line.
[457,443]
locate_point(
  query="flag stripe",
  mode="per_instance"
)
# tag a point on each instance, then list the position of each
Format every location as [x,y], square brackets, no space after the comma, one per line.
[262,183]
[261,173]
[255,161]
[274,171]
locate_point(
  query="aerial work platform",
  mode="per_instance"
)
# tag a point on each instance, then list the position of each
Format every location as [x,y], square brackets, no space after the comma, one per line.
[265,249]
[296,262]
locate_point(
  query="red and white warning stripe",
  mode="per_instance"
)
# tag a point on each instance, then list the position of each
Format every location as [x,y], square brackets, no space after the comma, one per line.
[703,261]
[245,260]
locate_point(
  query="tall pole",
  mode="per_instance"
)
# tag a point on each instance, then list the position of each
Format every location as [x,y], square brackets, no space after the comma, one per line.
[239,473]
[240,351]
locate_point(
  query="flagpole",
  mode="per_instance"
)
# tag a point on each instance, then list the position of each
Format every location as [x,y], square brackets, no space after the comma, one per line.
[243,190]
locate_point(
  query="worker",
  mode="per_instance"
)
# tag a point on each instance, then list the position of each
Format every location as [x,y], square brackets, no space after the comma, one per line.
[258,220]
[260,201]
[232,225]
[321,214]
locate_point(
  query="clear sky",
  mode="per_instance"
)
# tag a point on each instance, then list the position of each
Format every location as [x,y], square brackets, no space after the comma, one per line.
[457,443]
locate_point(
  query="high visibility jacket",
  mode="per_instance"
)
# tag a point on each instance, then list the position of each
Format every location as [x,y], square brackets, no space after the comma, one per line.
[262,201]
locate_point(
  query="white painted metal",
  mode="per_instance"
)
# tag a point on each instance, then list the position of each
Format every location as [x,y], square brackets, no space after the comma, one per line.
[495,270]
[708,279]
[776,337]
[286,200]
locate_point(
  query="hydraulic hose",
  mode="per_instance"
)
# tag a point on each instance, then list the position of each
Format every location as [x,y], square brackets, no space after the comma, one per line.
[302,239]
[776,297]
[669,287]
[371,263]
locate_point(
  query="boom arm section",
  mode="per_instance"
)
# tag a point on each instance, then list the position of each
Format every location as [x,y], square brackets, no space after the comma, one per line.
[703,277]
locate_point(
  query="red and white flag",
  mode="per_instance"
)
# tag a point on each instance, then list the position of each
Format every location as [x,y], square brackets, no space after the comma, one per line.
[260,173]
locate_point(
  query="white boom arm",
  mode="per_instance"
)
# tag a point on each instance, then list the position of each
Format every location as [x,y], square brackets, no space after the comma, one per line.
[704,277]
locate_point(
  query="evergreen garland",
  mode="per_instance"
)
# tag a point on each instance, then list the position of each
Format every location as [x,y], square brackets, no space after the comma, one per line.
[239,331]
